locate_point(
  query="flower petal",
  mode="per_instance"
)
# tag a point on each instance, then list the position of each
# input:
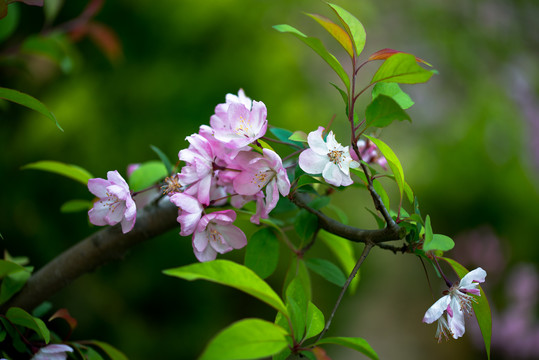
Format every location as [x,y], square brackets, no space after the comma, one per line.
[233,235]
[98,187]
[436,310]
[316,142]
[477,275]
[311,162]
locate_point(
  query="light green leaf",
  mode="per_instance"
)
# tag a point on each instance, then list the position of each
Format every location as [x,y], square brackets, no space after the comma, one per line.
[246,339]
[75,205]
[319,48]
[402,68]
[336,31]
[344,96]
[147,175]
[439,242]
[355,343]
[163,158]
[9,267]
[28,101]
[394,91]
[229,273]
[262,252]
[344,252]
[71,171]
[110,350]
[428,232]
[382,192]
[298,269]
[284,135]
[306,180]
[392,161]
[315,322]
[299,136]
[481,308]
[353,27]
[296,303]
[327,270]
[12,284]
[20,317]
[382,111]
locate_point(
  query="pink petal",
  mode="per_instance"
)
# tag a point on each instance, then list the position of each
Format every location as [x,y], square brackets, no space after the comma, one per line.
[311,162]
[98,187]
[116,178]
[436,310]
[98,213]
[200,240]
[233,235]
[128,224]
[208,254]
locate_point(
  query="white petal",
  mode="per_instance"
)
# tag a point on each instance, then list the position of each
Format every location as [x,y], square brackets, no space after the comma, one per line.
[316,142]
[311,162]
[456,322]
[436,310]
[478,275]
[332,174]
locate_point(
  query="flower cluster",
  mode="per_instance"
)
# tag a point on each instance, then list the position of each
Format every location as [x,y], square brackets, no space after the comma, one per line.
[456,303]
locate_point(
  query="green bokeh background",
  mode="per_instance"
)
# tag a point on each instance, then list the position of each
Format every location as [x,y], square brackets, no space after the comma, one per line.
[471,154]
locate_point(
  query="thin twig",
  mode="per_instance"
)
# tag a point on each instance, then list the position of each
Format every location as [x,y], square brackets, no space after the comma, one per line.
[366,249]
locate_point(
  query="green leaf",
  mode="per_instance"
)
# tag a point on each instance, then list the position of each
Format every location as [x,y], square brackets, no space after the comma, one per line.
[336,31]
[344,251]
[246,339]
[305,224]
[110,350]
[382,192]
[51,47]
[28,101]
[147,175]
[379,221]
[230,274]
[20,317]
[298,269]
[401,68]
[382,111]
[481,308]
[76,205]
[12,284]
[298,136]
[51,9]
[355,343]
[9,23]
[296,301]
[71,171]
[90,353]
[284,135]
[439,242]
[428,232]
[353,27]
[392,161]
[314,322]
[262,252]
[9,267]
[394,91]
[163,158]
[306,180]
[327,270]
[344,96]
[319,202]
[16,340]
[319,48]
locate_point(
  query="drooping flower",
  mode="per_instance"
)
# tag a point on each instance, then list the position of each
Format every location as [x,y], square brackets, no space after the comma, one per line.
[259,171]
[457,302]
[328,158]
[115,203]
[189,212]
[216,234]
[53,352]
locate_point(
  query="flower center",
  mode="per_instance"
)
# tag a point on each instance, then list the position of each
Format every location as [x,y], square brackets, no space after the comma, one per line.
[111,201]
[172,185]
[213,234]
[243,128]
[335,156]
[262,177]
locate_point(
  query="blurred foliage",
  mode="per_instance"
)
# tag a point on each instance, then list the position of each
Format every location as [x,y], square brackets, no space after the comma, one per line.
[471,154]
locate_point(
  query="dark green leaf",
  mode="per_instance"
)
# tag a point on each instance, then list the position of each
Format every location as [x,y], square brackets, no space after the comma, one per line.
[382,192]
[296,302]
[91,354]
[428,232]
[246,339]
[394,91]
[20,317]
[298,269]
[383,110]
[110,350]
[230,274]
[163,158]
[481,308]
[76,205]
[51,47]
[319,202]
[319,48]
[327,270]
[16,340]
[71,171]
[51,9]
[306,180]
[147,175]
[355,343]
[344,96]
[10,22]
[284,136]
[262,253]
[305,224]
[401,68]
[344,251]
[28,101]
[353,27]
[12,284]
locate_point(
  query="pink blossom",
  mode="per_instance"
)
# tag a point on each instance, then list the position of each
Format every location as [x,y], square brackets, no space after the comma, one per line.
[328,158]
[189,213]
[259,171]
[115,203]
[456,303]
[369,153]
[53,352]
[216,234]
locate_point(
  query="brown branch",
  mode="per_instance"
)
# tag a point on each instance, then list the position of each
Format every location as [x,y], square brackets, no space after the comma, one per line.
[389,233]
[89,254]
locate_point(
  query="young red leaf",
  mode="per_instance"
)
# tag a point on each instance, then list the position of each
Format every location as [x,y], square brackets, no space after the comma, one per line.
[64,314]
[386,53]
[336,31]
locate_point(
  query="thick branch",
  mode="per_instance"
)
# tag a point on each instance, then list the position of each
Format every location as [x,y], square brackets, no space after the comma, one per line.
[389,233]
[92,252]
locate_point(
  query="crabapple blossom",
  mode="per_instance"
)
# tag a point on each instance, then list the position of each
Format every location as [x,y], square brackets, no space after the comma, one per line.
[189,212]
[457,302]
[369,153]
[259,171]
[115,203]
[328,158]
[53,352]
[216,234]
